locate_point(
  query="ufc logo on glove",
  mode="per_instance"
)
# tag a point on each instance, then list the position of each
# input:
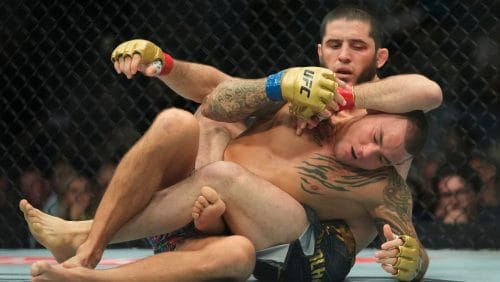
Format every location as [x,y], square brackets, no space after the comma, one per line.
[307,79]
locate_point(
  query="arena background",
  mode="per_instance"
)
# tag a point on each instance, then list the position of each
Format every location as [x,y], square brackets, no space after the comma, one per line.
[61,99]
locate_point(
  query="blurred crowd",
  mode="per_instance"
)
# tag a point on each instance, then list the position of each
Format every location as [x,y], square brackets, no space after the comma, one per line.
[64,193]
[457,184]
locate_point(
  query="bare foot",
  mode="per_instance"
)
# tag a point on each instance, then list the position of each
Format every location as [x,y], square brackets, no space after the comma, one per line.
[43,271]
[208,210]
[59,236]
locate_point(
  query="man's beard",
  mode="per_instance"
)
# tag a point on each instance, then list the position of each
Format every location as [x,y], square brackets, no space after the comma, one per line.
[368,74]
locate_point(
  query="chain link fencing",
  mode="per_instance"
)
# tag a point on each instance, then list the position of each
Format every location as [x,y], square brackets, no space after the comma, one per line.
[65,113]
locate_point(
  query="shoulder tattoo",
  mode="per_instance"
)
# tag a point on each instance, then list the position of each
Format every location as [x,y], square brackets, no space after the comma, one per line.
[324,172]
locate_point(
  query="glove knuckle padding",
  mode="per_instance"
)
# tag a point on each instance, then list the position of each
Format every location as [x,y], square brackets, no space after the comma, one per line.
[325,97]
[408,259]
[148,50]
[326,83]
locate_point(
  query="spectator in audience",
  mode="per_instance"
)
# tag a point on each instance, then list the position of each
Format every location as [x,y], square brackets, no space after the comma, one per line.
[454,145]
[456,196]
[489,194]
[77,199]
[34,186]
[62,174]
[422,179]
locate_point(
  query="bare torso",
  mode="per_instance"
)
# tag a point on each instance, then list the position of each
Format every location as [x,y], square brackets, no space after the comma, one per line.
[303,167]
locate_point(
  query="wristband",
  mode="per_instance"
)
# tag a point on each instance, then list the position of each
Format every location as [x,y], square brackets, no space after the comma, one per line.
[348,94]
[168,65]
[273,86]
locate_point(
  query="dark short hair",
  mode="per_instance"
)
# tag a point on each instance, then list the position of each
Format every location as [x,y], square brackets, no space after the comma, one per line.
[351,12]
[447,169]
[417,133]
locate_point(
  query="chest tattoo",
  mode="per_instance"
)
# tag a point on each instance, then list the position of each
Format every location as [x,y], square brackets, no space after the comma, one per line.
[322,172]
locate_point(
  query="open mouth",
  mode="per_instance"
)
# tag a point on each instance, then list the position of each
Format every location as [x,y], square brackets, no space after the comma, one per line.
[343,71]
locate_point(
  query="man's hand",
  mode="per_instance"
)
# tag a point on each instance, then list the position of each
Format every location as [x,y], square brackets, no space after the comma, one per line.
[400,255]
[141,55]
[343,101]
[84,257]
[308,89]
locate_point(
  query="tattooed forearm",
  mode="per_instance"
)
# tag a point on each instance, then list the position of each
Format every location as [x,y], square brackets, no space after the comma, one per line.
[319,172]
[235,100]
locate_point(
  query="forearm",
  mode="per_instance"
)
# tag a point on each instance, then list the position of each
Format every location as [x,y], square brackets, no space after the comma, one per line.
[399,94]
[236,99]
[193,81]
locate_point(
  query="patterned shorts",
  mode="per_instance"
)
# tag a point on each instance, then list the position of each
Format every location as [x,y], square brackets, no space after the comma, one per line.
[333,257]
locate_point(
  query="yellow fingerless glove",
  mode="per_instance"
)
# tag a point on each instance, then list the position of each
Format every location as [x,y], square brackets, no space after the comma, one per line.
[147,49]
[408,262]
[302,111]
[308,89]
[150,53]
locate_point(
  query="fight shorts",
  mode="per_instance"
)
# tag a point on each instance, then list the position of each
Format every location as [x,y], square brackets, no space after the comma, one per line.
[324,252]
[168,242]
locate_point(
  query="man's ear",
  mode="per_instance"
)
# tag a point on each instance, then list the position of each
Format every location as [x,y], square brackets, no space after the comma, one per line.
[318,49]
[382,57]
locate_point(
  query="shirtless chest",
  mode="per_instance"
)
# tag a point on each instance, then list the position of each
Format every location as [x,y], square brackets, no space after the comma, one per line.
[303,167]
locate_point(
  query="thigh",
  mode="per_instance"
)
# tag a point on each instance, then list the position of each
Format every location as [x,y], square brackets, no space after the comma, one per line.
[255,208]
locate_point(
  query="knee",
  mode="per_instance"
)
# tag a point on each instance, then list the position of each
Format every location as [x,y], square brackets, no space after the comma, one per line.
[175,120]
[235,257]
[222,174]
[220,169]
[243,251]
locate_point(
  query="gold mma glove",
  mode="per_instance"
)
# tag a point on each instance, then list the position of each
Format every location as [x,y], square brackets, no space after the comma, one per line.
[408,259]
[147,49]
[308,89]
[150,54]
[302,111]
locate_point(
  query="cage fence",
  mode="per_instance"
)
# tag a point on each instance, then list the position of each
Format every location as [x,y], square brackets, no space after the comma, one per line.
[66,114]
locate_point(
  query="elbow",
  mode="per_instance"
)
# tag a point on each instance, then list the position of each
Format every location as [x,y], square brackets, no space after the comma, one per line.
[436,94]
[204,109]
[217,113]
[433,95]
[207,111]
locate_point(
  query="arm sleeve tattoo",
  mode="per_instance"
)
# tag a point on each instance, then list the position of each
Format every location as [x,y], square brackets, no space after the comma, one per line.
[235,100]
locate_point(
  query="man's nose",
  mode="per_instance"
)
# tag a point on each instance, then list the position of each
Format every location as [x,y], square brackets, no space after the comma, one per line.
[344,55]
